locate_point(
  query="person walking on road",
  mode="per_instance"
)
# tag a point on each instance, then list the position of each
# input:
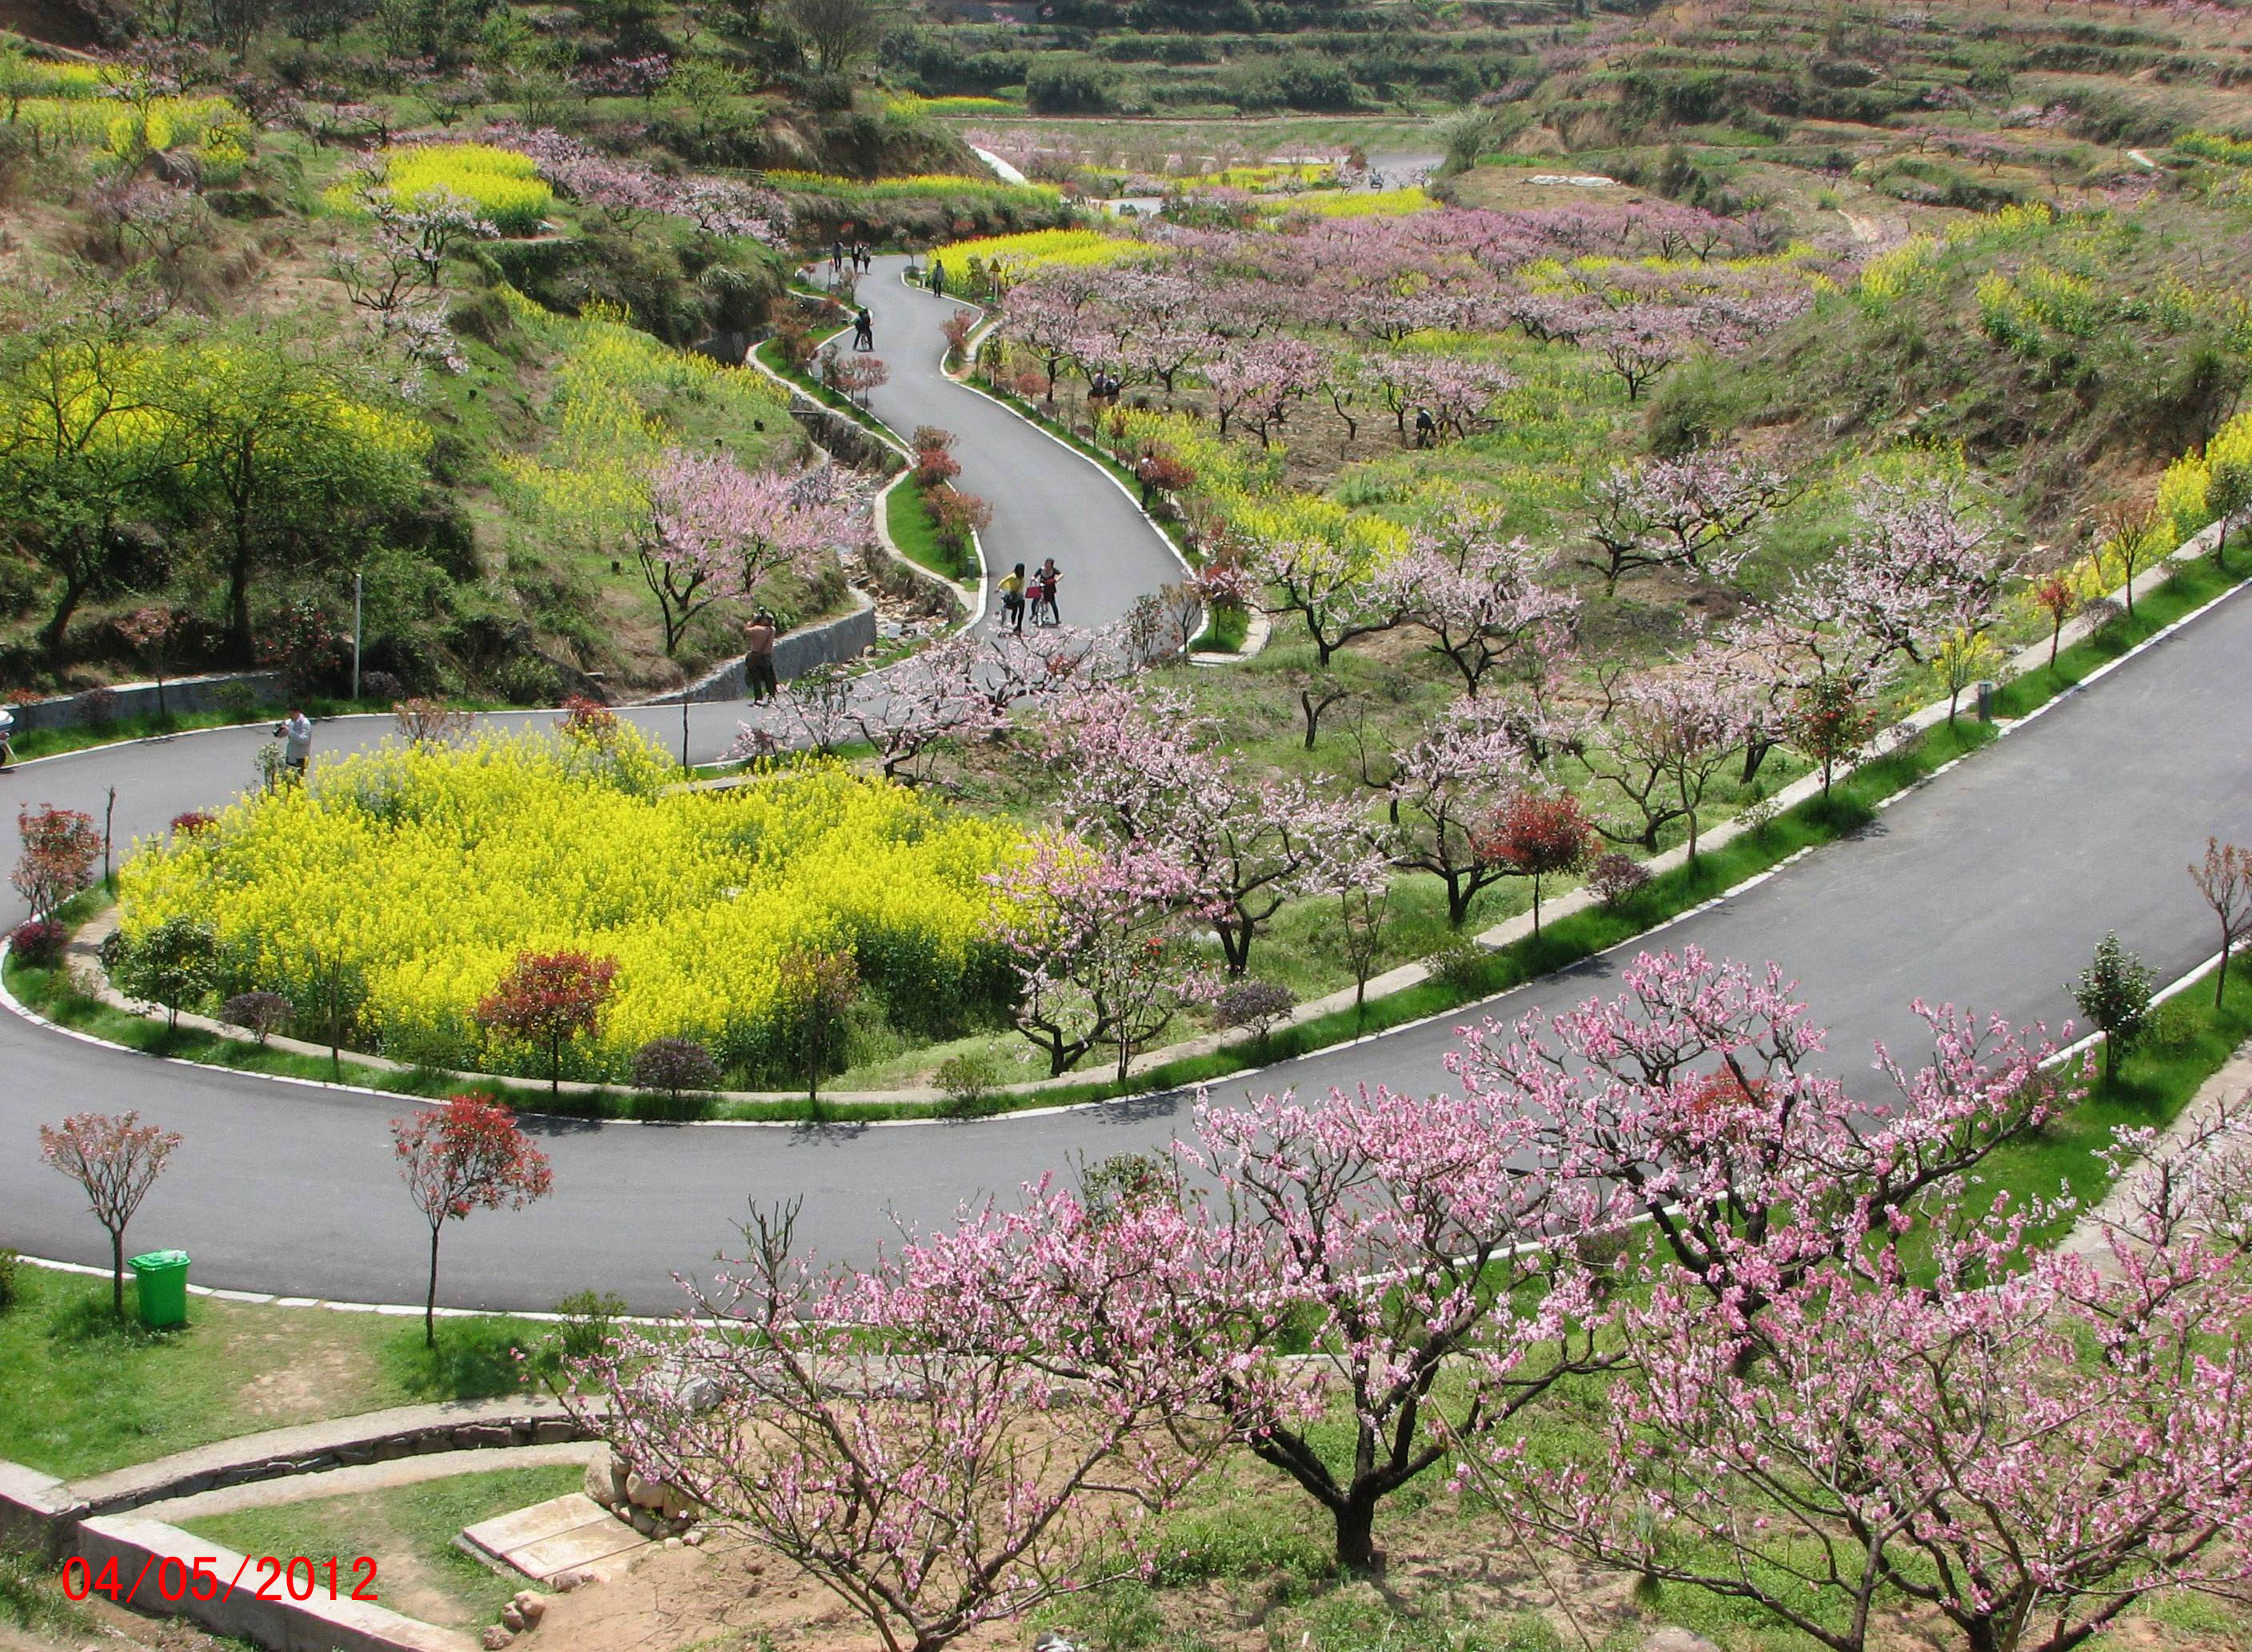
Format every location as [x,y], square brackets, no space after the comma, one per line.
[296,733]
[937,279]
[1013,599]
[864,330]
[758,657]
[1044,594]
[7,740]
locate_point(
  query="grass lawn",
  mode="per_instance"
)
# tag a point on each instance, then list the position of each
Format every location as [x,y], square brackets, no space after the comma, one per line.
[86,1392]
[408,1531]
[1224,632]
[912,530]
[2189,1041]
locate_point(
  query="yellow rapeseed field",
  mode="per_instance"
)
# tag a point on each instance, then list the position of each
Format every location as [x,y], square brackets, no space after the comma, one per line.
[424,873]
[503,185]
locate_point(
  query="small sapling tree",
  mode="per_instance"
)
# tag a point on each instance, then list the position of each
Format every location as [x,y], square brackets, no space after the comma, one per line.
[548,999]
[2225,880]
[2114,992]
[117,1159]
[466,1156]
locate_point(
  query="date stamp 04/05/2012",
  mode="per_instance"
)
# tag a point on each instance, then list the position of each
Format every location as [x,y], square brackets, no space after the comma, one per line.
[171,1581]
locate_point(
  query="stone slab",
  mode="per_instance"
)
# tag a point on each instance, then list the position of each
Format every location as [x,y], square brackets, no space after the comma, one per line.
[35,1509]
[572,1549]
[557,1535]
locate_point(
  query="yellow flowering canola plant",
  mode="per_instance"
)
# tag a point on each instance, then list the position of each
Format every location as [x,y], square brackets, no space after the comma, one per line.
[421,874]
[1014,257]
[618,395]
[503,185]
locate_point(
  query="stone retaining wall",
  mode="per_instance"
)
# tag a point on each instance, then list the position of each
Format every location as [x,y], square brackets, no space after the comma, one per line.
[223,692]
[831,643]
[842,438]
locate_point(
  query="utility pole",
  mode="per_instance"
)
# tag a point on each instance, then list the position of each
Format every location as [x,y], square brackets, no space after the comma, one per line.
[356,610]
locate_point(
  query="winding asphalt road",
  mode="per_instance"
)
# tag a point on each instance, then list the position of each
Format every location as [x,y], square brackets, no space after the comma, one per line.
[1988,886]
[1047,501]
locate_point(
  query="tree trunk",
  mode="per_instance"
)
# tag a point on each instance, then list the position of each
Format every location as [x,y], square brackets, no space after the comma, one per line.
[1235,931]
[237,605]
[51,633]
[1356,1537]
[430,1298]
[117,1270]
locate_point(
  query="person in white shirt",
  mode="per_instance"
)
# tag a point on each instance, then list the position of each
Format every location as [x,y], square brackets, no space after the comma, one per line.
[7,740]
[296,733]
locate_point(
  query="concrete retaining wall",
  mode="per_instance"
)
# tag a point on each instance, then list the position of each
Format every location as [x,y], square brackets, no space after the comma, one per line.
[41,1512]
[32,1510]
[829,644]
[842,438]
[215,693]
[161,1559]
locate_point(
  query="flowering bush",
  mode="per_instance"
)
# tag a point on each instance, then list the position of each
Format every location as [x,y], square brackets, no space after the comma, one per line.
[1616,875]
[424,874]
[263,1013]
[38,943]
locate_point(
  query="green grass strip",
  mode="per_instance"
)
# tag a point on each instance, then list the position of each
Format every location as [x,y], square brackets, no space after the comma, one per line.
[906,514]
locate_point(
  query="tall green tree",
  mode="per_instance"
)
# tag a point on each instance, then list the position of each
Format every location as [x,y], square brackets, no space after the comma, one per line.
[291,458]
[85,446]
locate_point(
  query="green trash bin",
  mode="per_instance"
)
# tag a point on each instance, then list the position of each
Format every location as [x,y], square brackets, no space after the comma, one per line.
[160,1278]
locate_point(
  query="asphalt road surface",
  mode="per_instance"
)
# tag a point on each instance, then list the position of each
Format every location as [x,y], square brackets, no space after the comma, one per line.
[1047,500]
[1988,886]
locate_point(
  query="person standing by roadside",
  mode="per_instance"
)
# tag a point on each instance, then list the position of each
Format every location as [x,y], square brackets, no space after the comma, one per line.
[937,279]
[1044,584]
[7,740]
[296,733]
[758,656]
[1145,472]
[1013,599]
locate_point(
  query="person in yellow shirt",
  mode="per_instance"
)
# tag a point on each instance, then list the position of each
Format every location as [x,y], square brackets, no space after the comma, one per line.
[1013,597]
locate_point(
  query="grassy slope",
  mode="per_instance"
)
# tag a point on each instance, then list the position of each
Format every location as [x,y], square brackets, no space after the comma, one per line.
[87,1392]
